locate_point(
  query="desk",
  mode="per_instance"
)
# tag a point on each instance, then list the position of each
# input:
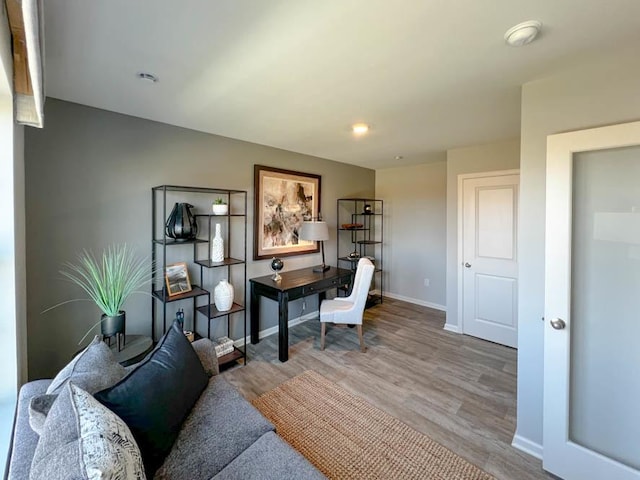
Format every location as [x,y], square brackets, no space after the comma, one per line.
[294,284]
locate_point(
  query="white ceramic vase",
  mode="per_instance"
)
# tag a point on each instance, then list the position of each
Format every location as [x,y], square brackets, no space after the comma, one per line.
[220,208]
[217,246]
[223,296]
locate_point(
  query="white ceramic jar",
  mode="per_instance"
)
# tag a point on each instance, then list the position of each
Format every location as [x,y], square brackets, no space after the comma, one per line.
[223,296]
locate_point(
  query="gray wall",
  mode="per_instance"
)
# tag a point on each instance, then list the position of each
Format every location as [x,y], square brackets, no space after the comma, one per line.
[480,158]
[88,180]
[594,94]
[414,231]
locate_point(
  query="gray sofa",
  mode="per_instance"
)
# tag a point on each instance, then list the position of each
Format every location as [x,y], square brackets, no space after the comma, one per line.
[223,437]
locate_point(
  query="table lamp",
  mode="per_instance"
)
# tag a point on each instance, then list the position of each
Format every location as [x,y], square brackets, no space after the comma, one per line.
[318,231]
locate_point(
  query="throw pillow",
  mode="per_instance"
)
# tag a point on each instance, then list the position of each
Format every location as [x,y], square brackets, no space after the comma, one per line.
[83,439]
[39,407]
[156,397]
[93,369]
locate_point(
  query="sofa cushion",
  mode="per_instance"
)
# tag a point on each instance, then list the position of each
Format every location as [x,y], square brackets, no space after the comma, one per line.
[156,397]
[93,369]
[268,458]
[83,439]
[206,351]
[220,427]
[25,439]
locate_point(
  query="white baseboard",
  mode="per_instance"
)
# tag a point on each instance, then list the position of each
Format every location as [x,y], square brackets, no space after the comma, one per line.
[527,446]
[415,301]
[452,328]
[273,330]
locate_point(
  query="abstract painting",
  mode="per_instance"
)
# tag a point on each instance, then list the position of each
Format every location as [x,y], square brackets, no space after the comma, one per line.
[283,200]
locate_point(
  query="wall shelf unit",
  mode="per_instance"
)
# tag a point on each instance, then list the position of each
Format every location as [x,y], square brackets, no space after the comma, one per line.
[203,272]
[360,234]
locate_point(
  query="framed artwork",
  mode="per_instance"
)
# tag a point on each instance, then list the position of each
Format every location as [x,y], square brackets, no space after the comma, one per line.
[283,200]
[177,279]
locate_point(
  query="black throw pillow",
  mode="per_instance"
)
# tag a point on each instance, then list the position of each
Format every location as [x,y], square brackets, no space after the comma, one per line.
[156,397]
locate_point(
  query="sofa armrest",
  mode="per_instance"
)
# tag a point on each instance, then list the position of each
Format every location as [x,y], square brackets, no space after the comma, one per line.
[24,439]
[206,351]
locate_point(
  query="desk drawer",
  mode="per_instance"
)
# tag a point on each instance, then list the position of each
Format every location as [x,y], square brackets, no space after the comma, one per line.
[326,285]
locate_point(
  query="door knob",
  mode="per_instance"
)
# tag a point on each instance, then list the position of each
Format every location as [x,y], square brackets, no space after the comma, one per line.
[558,323]
[468,265]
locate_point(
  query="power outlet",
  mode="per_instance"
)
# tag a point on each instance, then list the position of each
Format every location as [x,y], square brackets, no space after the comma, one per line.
[427,282]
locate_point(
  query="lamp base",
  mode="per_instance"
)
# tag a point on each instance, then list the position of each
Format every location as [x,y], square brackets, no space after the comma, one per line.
[321,268]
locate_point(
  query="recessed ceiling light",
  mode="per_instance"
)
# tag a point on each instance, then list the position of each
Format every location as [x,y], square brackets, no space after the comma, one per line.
[360,128]
[523,33]
[149,77]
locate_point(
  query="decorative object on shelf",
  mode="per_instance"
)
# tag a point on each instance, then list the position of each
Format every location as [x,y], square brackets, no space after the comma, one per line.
[223,296]
[283,200]
[317,231]
[217,246]
[223,346]
[354,255]
[352,226]
[177,279]
[181,224]
[276,266]
[109,282]
[189,334]
[180,315]
[367,209]
[219,207]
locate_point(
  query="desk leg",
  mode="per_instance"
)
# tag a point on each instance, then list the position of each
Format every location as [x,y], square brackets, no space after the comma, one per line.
[283,326]
[254,311]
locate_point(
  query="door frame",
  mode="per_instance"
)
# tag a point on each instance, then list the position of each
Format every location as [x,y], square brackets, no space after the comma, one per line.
[460,257]
[558,223]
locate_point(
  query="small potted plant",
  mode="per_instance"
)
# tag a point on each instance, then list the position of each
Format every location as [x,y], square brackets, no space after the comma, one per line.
[220,207]
[109,281]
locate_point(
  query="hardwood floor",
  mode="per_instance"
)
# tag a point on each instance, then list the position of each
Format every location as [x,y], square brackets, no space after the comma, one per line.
[458,390]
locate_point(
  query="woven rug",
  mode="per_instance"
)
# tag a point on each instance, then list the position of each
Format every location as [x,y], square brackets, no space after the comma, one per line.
[348,438]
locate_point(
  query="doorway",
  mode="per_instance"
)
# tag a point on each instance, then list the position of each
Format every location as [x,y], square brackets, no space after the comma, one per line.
[488,256]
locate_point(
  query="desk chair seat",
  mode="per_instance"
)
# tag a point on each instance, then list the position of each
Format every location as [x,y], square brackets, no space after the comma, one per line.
[349,310]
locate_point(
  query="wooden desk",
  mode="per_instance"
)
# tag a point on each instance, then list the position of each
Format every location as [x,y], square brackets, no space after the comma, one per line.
[294,284]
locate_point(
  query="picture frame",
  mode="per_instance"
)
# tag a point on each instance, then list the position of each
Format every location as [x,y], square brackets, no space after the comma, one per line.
[283,200]
[177,279]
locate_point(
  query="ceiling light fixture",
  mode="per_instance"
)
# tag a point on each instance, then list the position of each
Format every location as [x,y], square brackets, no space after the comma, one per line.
[523,33]
[149,77]
[360,128]
[398,157]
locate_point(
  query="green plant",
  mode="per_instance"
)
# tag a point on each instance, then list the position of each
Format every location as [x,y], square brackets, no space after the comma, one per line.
[219,201]
[110,279]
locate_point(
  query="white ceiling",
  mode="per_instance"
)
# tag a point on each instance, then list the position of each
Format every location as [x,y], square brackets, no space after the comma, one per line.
[427,75]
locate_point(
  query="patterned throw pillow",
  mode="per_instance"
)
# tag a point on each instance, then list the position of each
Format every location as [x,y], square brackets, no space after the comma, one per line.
[83,439]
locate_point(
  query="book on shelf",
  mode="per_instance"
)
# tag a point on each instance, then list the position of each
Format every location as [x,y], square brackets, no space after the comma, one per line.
[223,346]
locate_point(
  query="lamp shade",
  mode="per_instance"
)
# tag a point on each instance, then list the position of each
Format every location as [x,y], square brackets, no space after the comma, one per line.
[315,231]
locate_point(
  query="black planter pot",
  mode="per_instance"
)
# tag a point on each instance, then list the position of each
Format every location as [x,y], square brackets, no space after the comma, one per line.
[114,326]
[181,224]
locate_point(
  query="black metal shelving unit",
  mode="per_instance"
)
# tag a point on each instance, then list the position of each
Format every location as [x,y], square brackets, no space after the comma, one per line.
[235,267]
[365,241]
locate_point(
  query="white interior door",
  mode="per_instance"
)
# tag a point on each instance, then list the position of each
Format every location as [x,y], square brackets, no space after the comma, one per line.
[592,304]
[489,258]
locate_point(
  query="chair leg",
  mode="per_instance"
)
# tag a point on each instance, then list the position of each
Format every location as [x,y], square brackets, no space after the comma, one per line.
[362,347]
[323,329]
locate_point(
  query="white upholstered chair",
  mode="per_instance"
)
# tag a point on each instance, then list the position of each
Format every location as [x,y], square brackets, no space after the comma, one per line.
[349,310]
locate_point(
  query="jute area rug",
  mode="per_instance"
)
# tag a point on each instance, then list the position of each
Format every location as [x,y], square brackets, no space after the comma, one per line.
[347,438]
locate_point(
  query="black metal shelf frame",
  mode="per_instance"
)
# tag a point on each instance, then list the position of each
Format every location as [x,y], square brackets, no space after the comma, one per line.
[367,240]
[159,247]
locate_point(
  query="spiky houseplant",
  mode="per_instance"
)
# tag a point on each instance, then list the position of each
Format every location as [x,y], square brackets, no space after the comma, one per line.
[109,281]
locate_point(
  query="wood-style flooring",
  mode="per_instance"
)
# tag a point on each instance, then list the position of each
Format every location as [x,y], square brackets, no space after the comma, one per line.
[458,390]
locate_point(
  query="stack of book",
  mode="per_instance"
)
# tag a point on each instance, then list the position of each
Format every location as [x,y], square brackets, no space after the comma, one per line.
[223,346]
